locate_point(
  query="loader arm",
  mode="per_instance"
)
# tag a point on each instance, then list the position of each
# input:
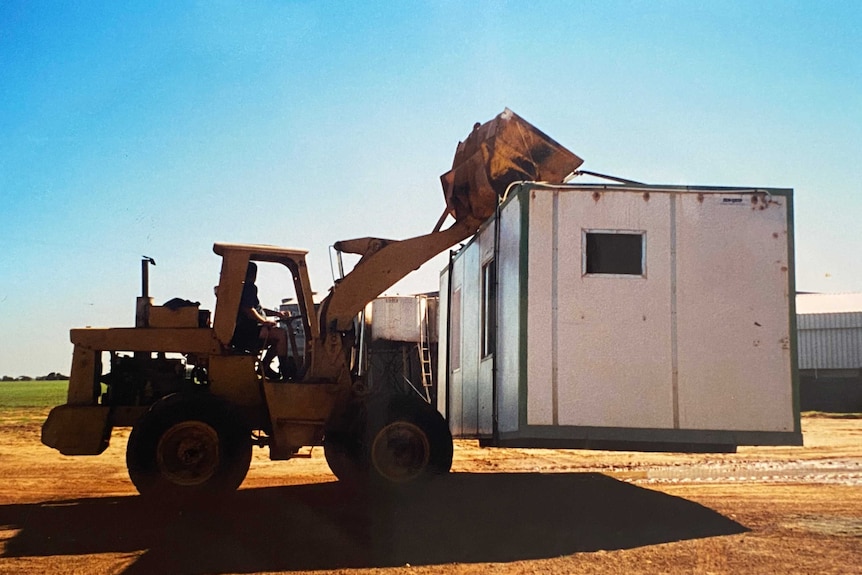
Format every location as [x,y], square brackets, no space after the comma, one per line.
[494,155]
[383,263]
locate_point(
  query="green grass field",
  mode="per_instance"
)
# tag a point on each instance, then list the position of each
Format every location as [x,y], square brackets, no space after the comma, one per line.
[47,394]
[16,394]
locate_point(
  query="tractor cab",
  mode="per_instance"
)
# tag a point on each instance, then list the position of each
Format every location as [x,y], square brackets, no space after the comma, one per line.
[235,261]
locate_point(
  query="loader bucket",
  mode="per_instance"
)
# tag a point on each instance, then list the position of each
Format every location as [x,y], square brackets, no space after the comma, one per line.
[504,150]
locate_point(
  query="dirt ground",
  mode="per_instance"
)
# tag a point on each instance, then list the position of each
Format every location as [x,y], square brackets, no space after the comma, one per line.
[762,510]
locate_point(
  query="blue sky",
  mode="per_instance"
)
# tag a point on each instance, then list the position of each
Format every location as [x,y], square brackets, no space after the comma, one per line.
[159,128]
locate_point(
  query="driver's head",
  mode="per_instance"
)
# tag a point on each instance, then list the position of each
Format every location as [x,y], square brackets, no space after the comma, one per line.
[251,272]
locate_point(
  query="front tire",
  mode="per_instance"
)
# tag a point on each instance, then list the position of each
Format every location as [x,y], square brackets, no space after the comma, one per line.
[188,447]
[344,457]
[408,443]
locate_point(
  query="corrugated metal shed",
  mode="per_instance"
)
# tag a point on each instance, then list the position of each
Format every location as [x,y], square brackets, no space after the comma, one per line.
[829,331]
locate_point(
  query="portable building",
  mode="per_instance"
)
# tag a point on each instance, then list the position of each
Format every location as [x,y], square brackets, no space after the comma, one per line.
[624,317]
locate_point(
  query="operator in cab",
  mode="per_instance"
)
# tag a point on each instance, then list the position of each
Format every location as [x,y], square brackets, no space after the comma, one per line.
[255,331]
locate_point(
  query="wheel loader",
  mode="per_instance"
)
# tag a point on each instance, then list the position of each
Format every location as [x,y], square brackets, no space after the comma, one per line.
[197,404]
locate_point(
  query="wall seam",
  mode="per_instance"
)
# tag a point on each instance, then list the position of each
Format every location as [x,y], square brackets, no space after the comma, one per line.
[673,312]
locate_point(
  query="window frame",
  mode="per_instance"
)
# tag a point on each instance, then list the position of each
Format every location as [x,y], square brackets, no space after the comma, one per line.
[455,331]
[585,232]
[488,309]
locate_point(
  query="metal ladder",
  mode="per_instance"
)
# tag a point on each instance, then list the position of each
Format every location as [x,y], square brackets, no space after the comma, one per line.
[424,349]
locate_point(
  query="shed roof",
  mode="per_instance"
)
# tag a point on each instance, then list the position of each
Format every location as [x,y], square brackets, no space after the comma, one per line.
[818,303]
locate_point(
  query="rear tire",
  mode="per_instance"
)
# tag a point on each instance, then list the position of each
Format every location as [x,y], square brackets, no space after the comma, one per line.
[188,447]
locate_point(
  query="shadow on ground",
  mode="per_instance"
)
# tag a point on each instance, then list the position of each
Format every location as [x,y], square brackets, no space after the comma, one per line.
[462,518]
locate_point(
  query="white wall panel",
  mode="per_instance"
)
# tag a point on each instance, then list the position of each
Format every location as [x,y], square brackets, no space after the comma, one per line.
[540,396]
[456,373]
[509,342]
[733,313]
[470,297]
[485,369]
[614,333]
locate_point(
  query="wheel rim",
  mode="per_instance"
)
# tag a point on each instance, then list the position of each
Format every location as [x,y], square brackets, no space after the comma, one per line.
[400,451]
[188,453]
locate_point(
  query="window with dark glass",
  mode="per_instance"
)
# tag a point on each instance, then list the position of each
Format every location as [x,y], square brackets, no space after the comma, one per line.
[489,307]
[455,331]
[614,253]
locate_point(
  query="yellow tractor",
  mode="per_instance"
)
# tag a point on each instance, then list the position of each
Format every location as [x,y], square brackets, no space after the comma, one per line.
[197,404]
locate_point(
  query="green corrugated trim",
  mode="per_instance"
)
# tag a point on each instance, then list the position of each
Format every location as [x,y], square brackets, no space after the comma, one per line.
[791,296]
[524,264]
